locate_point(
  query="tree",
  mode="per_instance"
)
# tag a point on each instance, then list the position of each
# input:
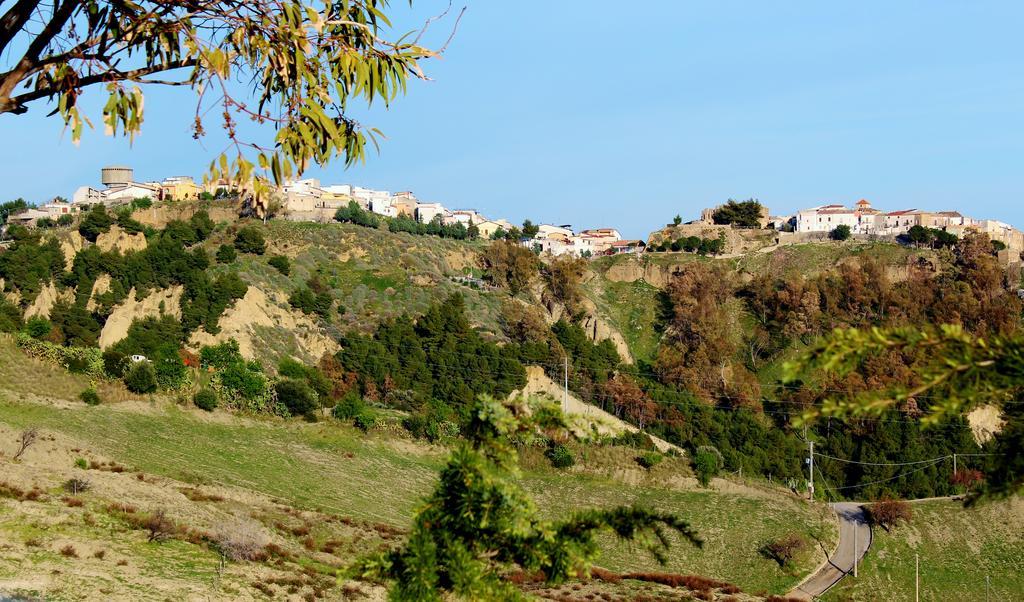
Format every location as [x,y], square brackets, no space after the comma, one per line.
[509,266]
[746,214]
[919,235]
[530,230]
[707,462]
[563,277]
[226,254]
[250,240]
[304,65]
[678,219]
[95,222]
[10,208]
[841,232]
[473,231]
[479,523]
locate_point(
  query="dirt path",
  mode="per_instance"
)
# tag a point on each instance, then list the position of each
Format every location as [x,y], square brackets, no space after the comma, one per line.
[854,541]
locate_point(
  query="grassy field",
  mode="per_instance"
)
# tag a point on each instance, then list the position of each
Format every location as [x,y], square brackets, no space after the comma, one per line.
[958,549]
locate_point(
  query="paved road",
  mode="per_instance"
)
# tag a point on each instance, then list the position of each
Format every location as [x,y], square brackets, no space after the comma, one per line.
[853,525]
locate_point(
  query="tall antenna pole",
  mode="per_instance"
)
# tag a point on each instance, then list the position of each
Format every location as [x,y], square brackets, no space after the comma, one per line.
[856,547]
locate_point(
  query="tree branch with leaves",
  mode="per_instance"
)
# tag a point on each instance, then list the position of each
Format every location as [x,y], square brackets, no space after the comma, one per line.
[293,64]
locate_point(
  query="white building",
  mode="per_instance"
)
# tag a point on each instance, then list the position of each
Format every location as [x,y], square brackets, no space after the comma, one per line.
[426,212]
[131,191]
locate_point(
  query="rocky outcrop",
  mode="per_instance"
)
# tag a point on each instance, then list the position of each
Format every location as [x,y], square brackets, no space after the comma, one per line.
[70,244]
[600,330]
[100,287]
[985,422]
[156,303]
[257,311]
[45,300]
[118,239]
[634,269]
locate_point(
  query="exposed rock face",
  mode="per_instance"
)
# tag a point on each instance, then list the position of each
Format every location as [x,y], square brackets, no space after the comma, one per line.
[100,287]
[44,302]
[637,269]
[256,310]
[158,216]
[120,240]
[599,330]
[124,314]
[986,422]
[71,243]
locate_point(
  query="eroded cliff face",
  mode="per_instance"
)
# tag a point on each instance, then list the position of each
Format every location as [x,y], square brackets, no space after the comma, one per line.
[638,269]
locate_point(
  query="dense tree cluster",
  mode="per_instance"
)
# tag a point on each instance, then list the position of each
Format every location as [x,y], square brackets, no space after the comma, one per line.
[510,266]
[433,366]
[28,264]
[435,227]
[693,244]
[354,214]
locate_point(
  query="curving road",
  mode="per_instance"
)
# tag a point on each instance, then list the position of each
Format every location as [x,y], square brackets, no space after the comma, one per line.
[853,527]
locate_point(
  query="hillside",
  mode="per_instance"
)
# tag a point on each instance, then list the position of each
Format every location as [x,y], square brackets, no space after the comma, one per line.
[339,482]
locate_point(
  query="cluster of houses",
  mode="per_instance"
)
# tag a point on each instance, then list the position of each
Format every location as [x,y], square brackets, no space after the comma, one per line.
[308,200]
[864,219]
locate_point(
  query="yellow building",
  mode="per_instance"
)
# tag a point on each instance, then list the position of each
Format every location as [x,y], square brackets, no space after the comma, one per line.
[179,188]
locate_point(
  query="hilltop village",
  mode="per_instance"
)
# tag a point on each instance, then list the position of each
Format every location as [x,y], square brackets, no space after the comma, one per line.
[713,233]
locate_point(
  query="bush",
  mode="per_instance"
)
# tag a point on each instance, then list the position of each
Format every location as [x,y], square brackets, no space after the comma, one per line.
[38,327]
[296,396]
[240,540]
[281,264]
[226,254]
[560,456]
[65,219]
[785,549]
[649,460]
[635,439]
[115,362]
[82,463]
[365,421]
[90,397]
[888,513]
[205,399]
[707,462]
[250,240]
[350,406]
[141,378]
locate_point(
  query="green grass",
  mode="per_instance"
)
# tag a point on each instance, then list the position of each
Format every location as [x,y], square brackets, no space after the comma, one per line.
[338,470]
[958,548]
[633,310]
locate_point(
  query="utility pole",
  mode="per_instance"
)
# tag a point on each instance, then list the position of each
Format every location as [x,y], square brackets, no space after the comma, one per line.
[988,588]
[810,486]
[954,465]
[917,577]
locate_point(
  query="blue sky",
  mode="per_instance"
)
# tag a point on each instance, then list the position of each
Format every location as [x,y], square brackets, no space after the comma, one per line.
[597,113]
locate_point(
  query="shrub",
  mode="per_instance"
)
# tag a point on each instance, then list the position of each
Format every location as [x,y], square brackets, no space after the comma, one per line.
[281,264]
[82,463]
[349,406]
[888,513]
[635,439]
[76,486]
[250,240]
[90,397]
[65,219]
[784,549]
[69,551]
[226,254]
[96,222]
[296,396]
[141,378]
[707,462]
[560,456]
[205,399]
[159,525]
[38,327]
[115,362]
[365,420]
[649,459]
[240,540]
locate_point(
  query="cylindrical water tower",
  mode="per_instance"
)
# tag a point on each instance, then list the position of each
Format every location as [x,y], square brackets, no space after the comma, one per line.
[116,175]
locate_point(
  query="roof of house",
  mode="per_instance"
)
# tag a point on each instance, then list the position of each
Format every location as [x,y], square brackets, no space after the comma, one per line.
[863,202]
[902,212]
